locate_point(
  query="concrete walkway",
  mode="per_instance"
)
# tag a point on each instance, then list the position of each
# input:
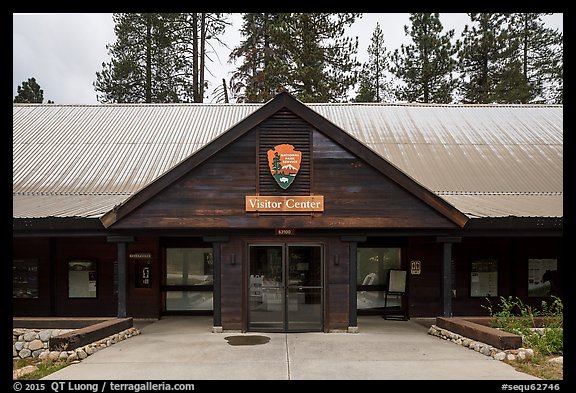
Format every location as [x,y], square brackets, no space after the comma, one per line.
[184,348]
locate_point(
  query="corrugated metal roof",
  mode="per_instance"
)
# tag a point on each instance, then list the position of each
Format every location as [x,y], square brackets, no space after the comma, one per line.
[501,205]
[89,206]
[486,160]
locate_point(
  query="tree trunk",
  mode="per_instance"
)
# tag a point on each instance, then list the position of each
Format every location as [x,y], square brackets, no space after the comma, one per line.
[525,53]
[195,57]
[148,59]
[202,56]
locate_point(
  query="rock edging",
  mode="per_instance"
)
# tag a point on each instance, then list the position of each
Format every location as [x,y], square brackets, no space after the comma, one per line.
[34,343]
[520,354]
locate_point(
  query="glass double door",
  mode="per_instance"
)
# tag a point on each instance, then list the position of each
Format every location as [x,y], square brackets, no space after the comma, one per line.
[285,288]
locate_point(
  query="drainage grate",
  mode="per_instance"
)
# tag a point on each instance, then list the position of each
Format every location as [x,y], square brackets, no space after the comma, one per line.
[247,340]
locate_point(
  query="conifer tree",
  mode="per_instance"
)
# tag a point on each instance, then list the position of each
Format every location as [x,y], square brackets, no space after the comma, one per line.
[374,83]
[540,54]
[306,54]
[264,69]
[158,57]
[491,72]
[425,67]
[30,92]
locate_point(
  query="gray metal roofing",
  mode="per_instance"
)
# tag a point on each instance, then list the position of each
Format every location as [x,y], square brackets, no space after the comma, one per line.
[486,160]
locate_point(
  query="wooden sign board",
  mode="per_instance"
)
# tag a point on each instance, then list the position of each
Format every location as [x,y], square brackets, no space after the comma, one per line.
[285,204]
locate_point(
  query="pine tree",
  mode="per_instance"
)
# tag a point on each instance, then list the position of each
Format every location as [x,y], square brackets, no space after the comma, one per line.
[263,73]
[193,40]
[540,53]
[366,88]
[491,71]
[374,86]
[141,65]
[425,67]
[30,92]
[323,67]
[158,57]
[299,54]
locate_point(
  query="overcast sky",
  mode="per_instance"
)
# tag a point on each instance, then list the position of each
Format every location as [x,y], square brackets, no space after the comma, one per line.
[64,51]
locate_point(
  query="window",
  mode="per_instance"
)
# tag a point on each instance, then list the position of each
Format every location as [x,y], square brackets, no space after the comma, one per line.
[189,279]
[82,279]
[542,277]
[484,278]
[372,269]
[25,278]
[189,266]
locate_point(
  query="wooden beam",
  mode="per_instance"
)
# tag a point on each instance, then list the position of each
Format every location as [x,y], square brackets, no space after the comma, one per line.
[89,334]
[485,334]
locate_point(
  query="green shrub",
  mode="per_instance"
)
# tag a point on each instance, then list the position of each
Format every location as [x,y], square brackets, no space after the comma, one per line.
[512,315]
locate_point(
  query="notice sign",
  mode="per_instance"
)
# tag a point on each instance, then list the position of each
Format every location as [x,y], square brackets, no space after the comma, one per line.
[285,204]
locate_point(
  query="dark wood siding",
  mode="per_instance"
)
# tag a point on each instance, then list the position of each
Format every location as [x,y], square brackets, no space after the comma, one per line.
[336,285]
[425,289]
[95,249]
[512,254]
[526,248]
[232,284]
[144,302]
[284,127]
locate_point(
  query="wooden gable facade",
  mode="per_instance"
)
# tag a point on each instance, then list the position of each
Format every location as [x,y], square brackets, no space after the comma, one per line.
[361,189]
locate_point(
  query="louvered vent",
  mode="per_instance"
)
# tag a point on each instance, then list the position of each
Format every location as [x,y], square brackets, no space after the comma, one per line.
[284,127]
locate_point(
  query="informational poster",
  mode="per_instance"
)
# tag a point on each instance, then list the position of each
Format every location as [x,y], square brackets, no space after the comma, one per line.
[82,279]
[542,277]
[484,278]
[256,287]
[25,278]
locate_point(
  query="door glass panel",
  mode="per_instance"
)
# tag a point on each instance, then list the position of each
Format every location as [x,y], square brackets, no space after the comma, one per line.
[189,279]
[305,309]
[189,266]
[285,288]
[304,266]
[304,288]
[266,288]
[189,300]
[266,263]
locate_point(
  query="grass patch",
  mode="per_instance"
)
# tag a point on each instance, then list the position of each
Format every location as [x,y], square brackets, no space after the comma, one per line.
[512,315]
[44,368]
[540,367]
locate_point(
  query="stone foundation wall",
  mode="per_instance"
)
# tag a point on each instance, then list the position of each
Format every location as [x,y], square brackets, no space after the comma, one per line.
[34,343]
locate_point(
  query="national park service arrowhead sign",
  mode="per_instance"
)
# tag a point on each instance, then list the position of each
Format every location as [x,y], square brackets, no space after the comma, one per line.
[284,163]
